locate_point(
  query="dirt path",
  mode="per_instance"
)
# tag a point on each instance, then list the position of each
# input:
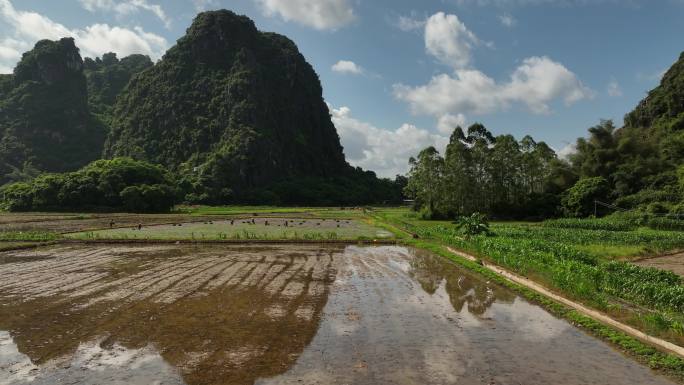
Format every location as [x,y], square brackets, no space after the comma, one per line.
[597,315]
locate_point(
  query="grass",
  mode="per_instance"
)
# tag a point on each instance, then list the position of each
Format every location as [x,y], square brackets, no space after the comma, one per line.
[305,229]
[28,236]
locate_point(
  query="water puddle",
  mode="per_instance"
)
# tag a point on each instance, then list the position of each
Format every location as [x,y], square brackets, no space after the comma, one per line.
[280,315]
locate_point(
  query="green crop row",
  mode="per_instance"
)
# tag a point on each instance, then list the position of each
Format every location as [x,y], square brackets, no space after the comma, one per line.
[32,236]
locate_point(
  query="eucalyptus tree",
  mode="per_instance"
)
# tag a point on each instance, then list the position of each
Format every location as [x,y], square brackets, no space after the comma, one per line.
[425,179]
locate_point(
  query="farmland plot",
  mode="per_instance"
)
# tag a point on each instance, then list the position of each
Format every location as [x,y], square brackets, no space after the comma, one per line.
[280,315]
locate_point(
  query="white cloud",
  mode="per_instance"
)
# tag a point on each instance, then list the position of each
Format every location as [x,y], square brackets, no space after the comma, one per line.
[94,40]
[535,83]
[447,123]
[507,20]
[203,5]
[318,14]
[564,3]
[614,90]
[347,67]
[127,7]
[448,39]
[409,23]
[565,152]
[384,151]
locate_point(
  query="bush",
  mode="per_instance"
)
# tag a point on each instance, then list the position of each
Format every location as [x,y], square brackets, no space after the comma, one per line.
[578,201]
[104,185]
[17,197]
[475,224]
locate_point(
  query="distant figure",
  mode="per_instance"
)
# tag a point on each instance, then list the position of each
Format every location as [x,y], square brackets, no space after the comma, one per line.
[232,222]
[285,223]
[266,223]
[111,224]
[139,226]
[253,222]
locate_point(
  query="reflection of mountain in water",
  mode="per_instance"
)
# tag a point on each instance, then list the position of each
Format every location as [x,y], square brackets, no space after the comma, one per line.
[463,288]
[219,315]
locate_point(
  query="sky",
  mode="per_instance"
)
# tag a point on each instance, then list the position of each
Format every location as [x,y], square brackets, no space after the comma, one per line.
[399,75]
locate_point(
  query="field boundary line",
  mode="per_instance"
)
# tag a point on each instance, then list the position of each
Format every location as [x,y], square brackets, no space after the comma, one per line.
[236,241]
[594,314]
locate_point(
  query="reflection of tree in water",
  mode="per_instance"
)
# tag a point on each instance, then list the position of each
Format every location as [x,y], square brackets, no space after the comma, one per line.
[431,270]
[231,335]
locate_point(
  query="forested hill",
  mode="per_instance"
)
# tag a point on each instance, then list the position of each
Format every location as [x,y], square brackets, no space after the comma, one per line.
[55,107]
[232,108]
[108,76]
[642,163]
[237,116]
[45,123]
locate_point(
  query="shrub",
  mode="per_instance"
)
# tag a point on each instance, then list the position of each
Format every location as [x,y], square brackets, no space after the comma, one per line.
[578,201]
[104,185]
[474,224]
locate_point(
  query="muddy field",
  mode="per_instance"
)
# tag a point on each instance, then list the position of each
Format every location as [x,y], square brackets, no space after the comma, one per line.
[673,262]
[63,223]
[280,315]
[262,228]
[69,223]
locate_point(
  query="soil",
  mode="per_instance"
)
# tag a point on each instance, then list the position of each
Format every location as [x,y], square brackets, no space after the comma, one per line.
[280,314]
[673,262]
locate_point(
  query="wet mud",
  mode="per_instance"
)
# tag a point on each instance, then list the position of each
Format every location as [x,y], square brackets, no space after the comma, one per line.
[280,314]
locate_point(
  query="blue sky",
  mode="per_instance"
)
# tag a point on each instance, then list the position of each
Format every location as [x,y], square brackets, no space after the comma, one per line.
[398,74]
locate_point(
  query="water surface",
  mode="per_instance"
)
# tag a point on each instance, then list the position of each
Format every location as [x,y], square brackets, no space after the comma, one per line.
[280,315]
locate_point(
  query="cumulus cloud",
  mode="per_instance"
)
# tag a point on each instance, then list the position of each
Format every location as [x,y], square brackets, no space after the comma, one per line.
[614,90]
[93,40]
[535,84]
[126,7]
[448,39]
[564,3]
[347,67]
[384,151]
[410,23]
[447,123]
[318,14]
[507,20]
[565,152]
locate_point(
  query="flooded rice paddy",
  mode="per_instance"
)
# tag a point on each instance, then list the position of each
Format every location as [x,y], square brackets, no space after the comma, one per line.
[280,315]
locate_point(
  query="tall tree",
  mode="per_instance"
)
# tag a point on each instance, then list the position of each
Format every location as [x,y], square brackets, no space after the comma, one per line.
[425,179]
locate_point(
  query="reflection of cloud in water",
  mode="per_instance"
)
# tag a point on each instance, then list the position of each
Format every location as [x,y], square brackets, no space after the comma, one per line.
[90,364]
[13,364]
[532,322]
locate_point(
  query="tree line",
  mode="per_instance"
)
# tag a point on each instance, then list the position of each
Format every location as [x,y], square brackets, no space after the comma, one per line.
[525,179]
[483,173]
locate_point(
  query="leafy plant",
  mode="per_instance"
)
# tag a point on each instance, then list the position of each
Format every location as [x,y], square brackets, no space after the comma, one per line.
[475,224]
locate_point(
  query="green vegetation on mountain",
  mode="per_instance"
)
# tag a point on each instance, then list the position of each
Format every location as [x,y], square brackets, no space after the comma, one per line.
[45,124]
[239,114]
[104,185]
[642,161]
[107,77]
[236,114]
